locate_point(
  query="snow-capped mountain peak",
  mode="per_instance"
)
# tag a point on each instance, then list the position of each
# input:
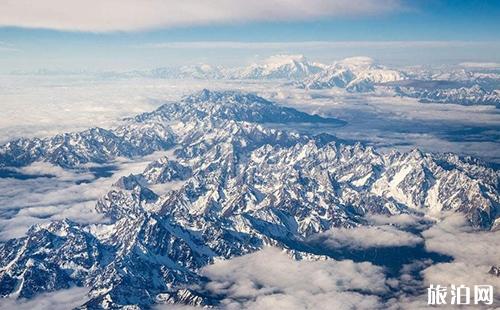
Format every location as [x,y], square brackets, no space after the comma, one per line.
[292,67]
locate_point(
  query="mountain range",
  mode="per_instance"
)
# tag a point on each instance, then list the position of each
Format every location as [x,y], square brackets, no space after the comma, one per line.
[462,84]
[232,186]
[474,95]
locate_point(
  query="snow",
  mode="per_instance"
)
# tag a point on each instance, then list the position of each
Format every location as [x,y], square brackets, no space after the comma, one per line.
[273,191]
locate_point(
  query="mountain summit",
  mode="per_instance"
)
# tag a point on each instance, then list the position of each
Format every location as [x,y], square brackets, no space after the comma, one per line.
[290,67]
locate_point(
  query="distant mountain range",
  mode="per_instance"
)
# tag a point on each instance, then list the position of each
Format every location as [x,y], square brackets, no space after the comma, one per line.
[466,84]
[474,95]
[240,186]
[357,74]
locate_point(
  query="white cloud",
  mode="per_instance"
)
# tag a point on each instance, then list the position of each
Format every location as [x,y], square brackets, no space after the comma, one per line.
[445,274]
[44,168]
[24,203]
[367,237]
[473,254]
[454,236]
[269,279]
[458,273]
[59,300]
[130,15]
[481,65]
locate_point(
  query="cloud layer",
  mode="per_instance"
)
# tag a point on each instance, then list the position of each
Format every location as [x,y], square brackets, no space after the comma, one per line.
[269,279]
[24,203]
[60,300]
[130,15]
[453,236]
[473,252]
[364,237]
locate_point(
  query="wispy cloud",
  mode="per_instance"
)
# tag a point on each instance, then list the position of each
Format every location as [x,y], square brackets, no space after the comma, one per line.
[63,299]
[367,237]
[130,15]
[480,65]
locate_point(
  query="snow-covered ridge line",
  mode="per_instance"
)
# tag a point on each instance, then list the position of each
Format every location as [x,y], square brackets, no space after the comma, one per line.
[149,132]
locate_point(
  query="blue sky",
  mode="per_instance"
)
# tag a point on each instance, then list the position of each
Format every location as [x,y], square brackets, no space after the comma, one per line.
[57,35]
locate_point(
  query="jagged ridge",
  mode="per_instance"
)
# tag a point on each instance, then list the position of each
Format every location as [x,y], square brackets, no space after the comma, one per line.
[242,186]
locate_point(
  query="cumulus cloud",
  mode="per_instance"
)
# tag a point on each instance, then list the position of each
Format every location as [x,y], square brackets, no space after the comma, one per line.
[473,253]
[269,279]
[59,300]
[444,274]
[458,273]
[44,168]
[175,307]
[129,15]
[454,236]
[367,237]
